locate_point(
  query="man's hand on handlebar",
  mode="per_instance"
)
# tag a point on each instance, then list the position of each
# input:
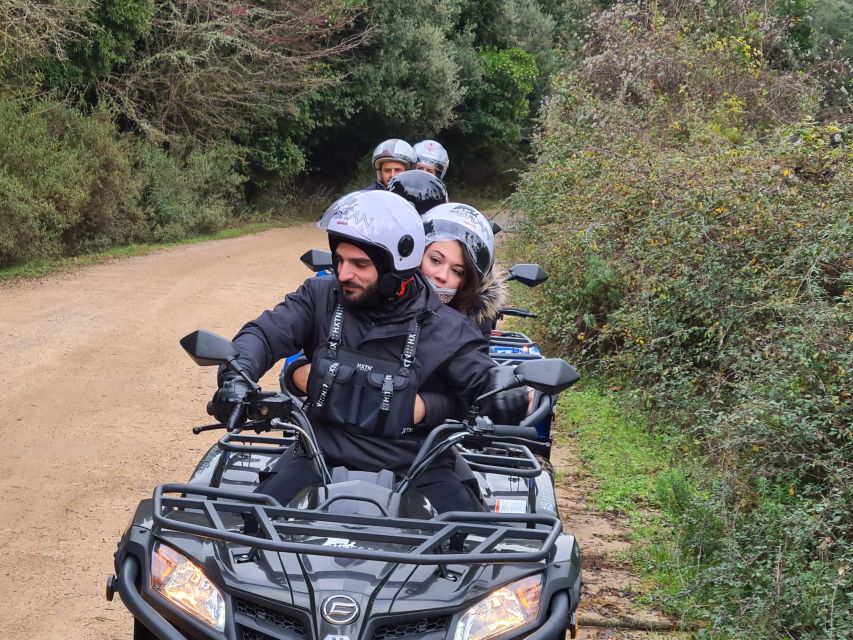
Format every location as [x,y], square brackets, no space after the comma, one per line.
[232,393]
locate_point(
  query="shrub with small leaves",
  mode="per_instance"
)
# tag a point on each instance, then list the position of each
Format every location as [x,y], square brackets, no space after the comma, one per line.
[700,247]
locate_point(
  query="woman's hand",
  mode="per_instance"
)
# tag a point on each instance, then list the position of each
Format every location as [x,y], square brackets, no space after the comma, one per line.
[420,410]
[300,377]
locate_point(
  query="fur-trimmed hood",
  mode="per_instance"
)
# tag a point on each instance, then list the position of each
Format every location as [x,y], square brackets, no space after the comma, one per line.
[491,297]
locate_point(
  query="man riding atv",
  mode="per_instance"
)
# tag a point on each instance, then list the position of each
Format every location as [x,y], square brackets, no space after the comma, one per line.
[379,340]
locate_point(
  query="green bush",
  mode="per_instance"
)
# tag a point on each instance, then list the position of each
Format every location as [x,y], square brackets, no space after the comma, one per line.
[110,214]
[698,236]
[193,195]
[499,108]
[70,184]
[405,78]
[26,224]
[529,25]
[45,182]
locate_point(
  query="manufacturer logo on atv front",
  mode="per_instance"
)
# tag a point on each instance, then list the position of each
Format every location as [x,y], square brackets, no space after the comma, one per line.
[340,610]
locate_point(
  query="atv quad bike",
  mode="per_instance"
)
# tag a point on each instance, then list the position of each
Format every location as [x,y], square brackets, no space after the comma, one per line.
[362,557]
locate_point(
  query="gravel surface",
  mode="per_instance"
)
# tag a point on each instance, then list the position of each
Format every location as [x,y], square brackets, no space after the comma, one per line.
[97,400]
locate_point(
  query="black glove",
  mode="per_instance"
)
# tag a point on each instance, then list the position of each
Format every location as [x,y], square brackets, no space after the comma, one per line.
[507,407]
[232,392]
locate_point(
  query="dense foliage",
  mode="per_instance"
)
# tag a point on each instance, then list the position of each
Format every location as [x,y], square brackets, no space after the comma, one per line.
[696,223]
[690,198]
[435,68]
[277,89]
[70,184]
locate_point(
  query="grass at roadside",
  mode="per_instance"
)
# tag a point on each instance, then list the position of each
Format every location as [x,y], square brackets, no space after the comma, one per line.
[630,467]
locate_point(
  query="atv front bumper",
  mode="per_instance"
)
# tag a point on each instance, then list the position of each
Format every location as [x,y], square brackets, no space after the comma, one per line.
[553,628]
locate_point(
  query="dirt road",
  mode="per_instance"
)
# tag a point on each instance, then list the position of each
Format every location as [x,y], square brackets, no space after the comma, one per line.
[96,404]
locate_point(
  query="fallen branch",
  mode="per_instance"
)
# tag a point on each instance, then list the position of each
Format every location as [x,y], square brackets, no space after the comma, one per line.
[634,624]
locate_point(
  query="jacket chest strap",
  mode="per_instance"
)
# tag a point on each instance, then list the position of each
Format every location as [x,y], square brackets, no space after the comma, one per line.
[335,330]
[407,358]
[328,381]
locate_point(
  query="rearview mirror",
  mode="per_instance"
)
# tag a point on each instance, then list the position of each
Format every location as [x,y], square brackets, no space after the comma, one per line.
[317,260]
[529,275]
[208,349]
[550,375]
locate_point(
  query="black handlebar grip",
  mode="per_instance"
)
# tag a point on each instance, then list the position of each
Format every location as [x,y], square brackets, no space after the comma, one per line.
[514,431]
[233,418]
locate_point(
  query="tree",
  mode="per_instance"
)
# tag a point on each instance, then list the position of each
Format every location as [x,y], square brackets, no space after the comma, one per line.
[35,29]
[209,68]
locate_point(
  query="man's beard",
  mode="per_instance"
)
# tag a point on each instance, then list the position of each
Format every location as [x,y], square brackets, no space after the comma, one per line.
[361,299]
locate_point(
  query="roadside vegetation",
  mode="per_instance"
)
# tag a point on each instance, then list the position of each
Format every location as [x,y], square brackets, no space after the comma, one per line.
[691,200]
[633,469]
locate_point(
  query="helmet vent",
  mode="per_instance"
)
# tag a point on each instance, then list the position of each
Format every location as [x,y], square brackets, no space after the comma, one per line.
[406,246]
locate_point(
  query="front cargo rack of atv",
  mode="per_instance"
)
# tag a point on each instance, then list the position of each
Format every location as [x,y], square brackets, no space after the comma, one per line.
[200,511]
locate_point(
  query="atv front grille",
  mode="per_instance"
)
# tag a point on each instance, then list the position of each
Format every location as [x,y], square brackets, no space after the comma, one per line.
[262,614]
[251,634]
[411,628]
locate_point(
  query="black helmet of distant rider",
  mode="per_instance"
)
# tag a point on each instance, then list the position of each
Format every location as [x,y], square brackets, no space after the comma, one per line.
[387,228]
[482,292]
[432,156]
[391,157]
[421,188]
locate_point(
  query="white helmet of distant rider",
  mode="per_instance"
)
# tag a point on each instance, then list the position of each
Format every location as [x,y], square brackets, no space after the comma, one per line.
[391,157]
[432,156]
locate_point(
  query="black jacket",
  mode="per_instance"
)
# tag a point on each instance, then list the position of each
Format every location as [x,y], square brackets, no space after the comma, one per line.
[452,356]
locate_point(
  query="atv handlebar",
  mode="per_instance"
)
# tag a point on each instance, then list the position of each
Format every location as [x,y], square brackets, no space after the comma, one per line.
[259,408]
[516,431]
[518,312]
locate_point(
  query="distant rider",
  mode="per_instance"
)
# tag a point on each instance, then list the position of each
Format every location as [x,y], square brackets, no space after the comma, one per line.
[431,156]
[422,189]
[391,157]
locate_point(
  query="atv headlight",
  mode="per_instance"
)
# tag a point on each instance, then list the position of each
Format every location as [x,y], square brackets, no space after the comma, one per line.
[502,610]
[180,581]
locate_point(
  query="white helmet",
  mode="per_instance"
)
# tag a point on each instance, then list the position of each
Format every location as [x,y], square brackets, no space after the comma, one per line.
[431,153]
[455,221]
[379,219]
[394,149]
